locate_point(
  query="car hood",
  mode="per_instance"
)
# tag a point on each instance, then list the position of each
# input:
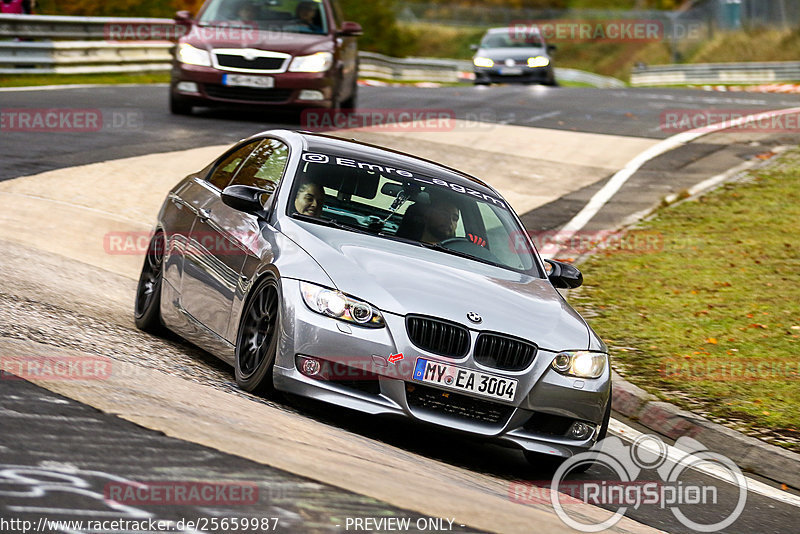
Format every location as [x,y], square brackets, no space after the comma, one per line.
[403,279]
[519,54]
[209,37]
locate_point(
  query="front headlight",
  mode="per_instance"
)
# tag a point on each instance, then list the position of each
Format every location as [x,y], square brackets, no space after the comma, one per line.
[484,62]
[582,363]
[538,61]
[319,62]
[339,306]
[193,56]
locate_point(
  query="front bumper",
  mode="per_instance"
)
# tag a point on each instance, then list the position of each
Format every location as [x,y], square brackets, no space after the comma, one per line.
[286,91]
[545,405]
[543,75]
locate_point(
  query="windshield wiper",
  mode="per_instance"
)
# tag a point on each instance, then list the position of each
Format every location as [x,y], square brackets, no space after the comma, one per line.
[228,24]
[329,222]
[440,248]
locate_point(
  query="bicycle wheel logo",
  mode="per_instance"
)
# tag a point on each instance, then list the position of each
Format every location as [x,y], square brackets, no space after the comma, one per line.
[628,464]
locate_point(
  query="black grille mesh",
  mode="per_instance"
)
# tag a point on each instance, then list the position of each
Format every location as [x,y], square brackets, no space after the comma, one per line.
[503,352]
[248,94]
[457,405]
[258,63]
[438,337]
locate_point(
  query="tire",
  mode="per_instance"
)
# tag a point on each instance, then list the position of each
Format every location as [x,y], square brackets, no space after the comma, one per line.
[551,463]
[257,340]
[147,309]
[351,103]
[178,106]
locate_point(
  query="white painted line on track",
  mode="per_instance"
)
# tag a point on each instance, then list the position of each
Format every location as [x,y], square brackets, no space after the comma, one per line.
[77,86]
[542,116]
[676,455]
[612,187]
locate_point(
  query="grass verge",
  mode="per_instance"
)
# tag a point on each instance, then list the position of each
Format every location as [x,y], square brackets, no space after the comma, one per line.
[711,320]
[26,80]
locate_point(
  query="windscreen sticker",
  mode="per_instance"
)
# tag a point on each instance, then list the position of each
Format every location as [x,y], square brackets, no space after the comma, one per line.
[325,159]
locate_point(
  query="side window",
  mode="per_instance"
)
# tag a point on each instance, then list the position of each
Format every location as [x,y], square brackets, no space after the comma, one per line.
[226,168]
[501,242]
[264,168]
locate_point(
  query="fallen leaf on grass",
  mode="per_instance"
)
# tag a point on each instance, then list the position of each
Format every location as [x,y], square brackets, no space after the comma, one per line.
[712,340]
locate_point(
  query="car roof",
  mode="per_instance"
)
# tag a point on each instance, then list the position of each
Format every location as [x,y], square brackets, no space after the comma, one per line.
[316,142]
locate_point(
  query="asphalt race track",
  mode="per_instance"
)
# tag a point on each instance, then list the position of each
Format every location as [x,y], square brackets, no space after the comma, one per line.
[58,455]
[624,112]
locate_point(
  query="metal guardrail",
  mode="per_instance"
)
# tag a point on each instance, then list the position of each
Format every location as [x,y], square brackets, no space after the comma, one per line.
[86,52]
[717,73]
[588,78]
[83,57]
[77,28]
[374,65]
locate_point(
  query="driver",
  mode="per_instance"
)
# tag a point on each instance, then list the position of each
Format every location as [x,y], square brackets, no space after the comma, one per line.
[441,221]
[246,11]
[310,199]
[306,14]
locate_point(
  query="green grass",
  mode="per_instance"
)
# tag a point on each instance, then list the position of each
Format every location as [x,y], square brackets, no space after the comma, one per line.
[615,59]
[711,320]
[24,80]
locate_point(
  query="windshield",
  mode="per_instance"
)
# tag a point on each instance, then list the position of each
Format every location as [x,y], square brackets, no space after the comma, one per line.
[297,16]
[454,217]
[505,40]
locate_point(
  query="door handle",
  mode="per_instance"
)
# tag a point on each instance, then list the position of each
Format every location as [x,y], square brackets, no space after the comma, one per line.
[203,214]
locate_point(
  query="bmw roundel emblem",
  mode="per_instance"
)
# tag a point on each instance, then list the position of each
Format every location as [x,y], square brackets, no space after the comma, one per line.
[474,317]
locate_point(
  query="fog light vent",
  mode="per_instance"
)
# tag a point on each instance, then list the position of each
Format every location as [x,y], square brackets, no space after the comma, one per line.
[308,94]
[580,430]
[187,87]
[310,366]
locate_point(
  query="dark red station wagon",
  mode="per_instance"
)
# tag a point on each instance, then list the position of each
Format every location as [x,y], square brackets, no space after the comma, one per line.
[289,53]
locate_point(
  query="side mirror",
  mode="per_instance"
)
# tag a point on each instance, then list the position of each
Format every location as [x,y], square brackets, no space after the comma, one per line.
[563,275]
[183,17]
[474,47]
[245,198]
[351,29]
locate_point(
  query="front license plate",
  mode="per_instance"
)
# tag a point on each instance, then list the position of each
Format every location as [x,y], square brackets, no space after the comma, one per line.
[239,80]
[510,71]
[460,379]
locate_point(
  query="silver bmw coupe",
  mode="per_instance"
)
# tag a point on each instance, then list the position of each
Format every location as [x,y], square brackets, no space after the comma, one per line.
[380,282]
